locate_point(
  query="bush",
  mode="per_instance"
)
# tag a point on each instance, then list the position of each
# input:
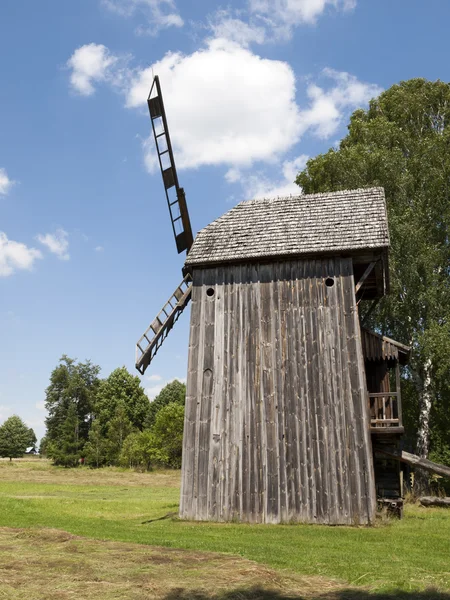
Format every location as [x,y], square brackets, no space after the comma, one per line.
[141,451]
[159,446]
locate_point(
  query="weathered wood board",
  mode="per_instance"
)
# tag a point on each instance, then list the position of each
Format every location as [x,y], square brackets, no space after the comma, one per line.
[277,424]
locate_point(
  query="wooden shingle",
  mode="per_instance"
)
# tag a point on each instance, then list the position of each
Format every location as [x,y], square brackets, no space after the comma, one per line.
[345,221]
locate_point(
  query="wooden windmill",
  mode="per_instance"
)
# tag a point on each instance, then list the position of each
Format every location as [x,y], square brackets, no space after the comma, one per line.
[288,397]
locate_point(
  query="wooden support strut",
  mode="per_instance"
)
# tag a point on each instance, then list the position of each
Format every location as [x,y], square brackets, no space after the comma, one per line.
[365,276]
[424,463]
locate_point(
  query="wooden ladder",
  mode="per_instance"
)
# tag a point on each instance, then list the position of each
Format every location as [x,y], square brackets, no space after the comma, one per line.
[151,341]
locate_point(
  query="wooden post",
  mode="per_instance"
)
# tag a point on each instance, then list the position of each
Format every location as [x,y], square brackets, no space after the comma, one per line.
[399,394]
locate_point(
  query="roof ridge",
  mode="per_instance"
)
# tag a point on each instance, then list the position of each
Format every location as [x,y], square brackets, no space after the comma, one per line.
[315,195]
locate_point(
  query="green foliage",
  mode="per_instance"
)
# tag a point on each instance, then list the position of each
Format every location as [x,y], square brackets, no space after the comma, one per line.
[175,391]
[69,402]
[15,438]
[101,421]
[168,432]
[119,428]
[159,446]
[66,449]
[402,143]
[142,451]
[125,389]
[43,446]
[96,449]
[32,439]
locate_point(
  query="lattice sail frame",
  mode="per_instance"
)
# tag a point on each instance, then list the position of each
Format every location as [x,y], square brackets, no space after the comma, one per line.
[152,339]
[178,211]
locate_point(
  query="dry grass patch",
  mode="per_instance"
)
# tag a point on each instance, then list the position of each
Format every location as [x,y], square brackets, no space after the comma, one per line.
[39,564]
[41,470]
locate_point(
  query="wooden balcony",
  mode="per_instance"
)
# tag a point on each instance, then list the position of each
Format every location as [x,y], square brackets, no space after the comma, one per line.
[385,413]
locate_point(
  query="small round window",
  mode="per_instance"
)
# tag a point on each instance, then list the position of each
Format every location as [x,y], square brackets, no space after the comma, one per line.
[329,282]
[210,292]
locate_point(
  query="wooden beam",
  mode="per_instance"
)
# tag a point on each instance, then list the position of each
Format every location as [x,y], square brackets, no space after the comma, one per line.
[424,463]
[434,501]
[385,431]
[365,275]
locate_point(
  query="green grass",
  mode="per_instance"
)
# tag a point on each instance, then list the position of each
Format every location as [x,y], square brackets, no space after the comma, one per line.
[412,554]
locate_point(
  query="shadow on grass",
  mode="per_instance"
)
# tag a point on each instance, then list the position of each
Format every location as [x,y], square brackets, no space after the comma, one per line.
[264,594]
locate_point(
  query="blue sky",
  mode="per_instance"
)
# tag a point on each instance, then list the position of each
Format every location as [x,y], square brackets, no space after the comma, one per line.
[252,88]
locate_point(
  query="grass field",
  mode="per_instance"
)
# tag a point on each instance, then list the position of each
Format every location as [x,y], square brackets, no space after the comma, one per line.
[81,509]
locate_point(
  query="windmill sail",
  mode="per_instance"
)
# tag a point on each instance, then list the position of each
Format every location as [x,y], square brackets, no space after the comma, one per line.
[149,344]
[176,199]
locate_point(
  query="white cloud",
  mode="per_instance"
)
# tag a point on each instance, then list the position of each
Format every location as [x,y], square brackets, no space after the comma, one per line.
[56,242]
[281,16]
[225,105]
[292,167]
[328,107]
[5,183]
[233,175]
[265,21]
[90,64]
[258,185]
[15,256]
[153,390]
[154,377]
[158,14]
[99,248]
[224,25]
[41,405]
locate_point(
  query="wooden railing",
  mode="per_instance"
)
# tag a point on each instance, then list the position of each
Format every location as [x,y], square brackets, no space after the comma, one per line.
[385,410]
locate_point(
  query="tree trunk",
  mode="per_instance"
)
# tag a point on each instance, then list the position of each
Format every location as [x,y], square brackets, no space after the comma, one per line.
[423,434]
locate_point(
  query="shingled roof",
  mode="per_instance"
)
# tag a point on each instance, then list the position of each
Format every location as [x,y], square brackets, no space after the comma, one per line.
[345,221]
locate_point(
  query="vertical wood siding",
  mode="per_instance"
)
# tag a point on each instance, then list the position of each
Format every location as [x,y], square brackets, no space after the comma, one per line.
[277,425]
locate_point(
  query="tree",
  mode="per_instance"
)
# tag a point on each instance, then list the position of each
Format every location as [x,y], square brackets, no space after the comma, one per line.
[119,429]
[69,402]
[32,440]
[66,450]
[96,448]
[15,438]
[121,388]
[175,391]
[402,143]
[43,446]
[168,432]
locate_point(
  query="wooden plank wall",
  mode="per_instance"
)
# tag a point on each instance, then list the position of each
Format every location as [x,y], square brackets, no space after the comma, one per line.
[277,424]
